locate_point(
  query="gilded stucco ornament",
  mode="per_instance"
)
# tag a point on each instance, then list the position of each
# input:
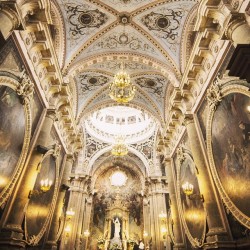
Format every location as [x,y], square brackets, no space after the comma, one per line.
[180,154]
[25,89]
[57,150]
[214,96]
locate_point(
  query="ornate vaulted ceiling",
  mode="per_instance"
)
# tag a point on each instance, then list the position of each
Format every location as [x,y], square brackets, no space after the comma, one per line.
[151,39]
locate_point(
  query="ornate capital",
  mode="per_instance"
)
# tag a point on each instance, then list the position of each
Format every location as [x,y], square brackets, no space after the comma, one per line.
[52,114]
[180,155]
[57,150]
[214,96]
[25,89]
[188,118]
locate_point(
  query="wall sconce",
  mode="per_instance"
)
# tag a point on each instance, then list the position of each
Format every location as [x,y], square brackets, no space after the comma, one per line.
[145,234]
[188,189]
[164,230]
[45,186]
[86,233]
[163,216]
[70,213]
[67,230]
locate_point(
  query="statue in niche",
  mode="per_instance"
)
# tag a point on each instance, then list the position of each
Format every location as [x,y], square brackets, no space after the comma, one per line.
[116,242]
[117,227]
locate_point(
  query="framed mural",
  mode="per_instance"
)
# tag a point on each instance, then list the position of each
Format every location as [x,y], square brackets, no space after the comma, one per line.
[228,143]
[41,204]
[14,131]
[191,208]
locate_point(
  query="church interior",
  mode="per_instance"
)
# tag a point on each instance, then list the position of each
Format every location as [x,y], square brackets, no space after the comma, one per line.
[124,124]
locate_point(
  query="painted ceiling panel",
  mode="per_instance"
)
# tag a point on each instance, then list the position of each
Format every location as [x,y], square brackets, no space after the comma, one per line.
[165,23]
[87,84]
[82,21]
[155,86]
[123,39]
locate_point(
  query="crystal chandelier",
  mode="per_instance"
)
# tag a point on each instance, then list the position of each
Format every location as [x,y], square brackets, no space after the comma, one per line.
[121,89]
[119,148]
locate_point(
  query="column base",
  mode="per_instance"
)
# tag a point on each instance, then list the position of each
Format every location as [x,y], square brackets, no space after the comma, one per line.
[11,240]
[221,240]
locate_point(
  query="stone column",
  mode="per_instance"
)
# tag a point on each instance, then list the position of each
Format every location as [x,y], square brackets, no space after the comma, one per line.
[217,231]
[157,205]
[13,232]
[52,238]
[69,239]
[238,29]
[177,230]
[9,19]
[146,212]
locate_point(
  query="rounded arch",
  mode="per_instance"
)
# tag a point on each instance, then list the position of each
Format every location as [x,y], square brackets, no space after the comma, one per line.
[103,168]
[187,37]
[133,104]
[161,68]
[108,149]
[58,32]
[13,82]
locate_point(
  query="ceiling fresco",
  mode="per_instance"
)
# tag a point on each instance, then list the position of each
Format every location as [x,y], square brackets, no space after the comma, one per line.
[143,37]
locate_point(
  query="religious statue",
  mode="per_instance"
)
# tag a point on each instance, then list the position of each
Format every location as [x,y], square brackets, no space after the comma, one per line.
[117,228]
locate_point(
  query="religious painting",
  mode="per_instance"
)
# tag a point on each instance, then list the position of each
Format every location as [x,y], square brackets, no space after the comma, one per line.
[230,144]
[39,206]
[12,132]
[190,204]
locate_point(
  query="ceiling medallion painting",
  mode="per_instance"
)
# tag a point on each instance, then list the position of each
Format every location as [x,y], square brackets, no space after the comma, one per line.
[82,20]
[154,86]
[90,82]
[167,24]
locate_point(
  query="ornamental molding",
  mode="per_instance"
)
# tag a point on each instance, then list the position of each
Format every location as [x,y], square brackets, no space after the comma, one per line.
[184,154]
[33,240]
[160,68]
[8,189]
[214,96]
[235,86]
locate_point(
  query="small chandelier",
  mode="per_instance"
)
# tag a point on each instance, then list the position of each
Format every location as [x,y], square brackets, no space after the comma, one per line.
[119,148]
[121,89]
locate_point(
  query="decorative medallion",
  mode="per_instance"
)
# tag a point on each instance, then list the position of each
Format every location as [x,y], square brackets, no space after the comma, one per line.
[81,19]
[90,82]
[167,24]
[153,85]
